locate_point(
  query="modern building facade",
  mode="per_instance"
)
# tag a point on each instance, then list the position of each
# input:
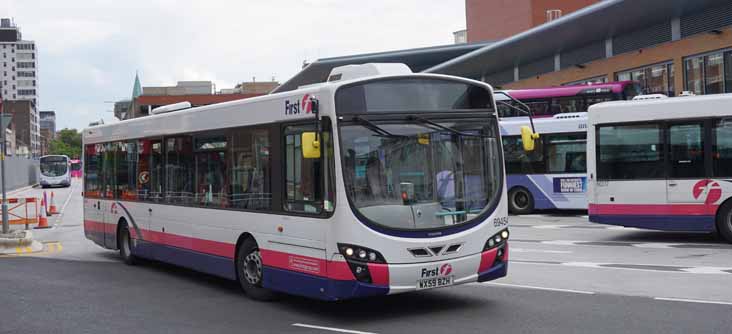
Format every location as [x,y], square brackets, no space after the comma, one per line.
[492,20]
[19,77]
[48,121]
[48,130]
[668,46]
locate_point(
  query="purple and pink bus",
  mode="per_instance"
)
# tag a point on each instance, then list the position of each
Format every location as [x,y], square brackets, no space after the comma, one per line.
[553,176]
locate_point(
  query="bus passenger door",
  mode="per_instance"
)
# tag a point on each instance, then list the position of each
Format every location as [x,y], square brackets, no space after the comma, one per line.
[302,237]
[686,182]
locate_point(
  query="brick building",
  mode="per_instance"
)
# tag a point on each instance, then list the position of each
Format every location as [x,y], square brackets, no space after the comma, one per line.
[198,93]
[491,20]
[22,127]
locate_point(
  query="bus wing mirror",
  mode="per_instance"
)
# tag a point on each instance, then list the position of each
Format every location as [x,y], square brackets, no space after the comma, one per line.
[528,137]
[310,145]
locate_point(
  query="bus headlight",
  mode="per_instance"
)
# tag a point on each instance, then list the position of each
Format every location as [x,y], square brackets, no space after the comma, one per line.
[360,254]
[358,259]
[497,240]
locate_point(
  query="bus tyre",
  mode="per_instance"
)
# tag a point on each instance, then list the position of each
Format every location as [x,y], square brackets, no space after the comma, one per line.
[520,201]
[724,221]
[249,270]
[125,245]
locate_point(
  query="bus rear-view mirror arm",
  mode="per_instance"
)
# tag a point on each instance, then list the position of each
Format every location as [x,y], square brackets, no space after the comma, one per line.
[311,140]
[528,134]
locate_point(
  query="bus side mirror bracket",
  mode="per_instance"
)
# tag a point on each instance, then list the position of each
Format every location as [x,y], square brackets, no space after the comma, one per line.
[528,138]
[311,140]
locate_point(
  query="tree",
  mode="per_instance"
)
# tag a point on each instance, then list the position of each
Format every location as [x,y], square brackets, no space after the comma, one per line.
[67,142]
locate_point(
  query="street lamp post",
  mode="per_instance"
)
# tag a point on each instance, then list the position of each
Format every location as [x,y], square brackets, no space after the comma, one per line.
[6,228]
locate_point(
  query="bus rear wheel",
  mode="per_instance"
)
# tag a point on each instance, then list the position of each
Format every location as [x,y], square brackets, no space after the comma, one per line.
[520,201]
[249,271]
[724,221]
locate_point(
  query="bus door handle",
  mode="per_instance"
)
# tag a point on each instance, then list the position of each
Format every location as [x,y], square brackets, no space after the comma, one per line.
[149,210]
[672,184]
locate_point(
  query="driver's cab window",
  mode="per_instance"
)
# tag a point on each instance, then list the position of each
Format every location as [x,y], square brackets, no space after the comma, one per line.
[308,183]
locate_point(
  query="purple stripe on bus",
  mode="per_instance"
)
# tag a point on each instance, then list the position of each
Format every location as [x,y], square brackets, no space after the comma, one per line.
[541,202]
[311,286]
[663,223]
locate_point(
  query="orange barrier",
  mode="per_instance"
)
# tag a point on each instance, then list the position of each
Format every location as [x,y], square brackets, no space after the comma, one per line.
[19,212]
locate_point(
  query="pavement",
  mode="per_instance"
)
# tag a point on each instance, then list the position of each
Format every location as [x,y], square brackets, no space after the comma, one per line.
[565,276]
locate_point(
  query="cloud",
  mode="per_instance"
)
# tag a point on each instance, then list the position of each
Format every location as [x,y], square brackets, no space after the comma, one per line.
[89,51]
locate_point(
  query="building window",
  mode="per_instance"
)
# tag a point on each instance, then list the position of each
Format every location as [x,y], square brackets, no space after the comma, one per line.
[654,79]
[595,80]
[709,74]
[713,74]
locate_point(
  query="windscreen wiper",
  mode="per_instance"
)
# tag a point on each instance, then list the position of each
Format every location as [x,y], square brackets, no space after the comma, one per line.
[440,126]
[375,128]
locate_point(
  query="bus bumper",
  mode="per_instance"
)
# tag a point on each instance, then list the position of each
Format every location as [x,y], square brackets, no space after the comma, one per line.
[340,283]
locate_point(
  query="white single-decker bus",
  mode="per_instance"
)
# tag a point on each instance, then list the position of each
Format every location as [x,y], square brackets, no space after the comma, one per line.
[662,164]
[378,182]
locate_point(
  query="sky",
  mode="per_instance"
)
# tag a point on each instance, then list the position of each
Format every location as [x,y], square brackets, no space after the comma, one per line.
[89,51]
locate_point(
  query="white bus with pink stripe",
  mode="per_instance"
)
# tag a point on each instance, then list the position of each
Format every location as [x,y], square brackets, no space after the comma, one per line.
[377,182]
[662,163]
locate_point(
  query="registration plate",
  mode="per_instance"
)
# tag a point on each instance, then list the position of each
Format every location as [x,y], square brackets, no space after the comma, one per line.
[434,282]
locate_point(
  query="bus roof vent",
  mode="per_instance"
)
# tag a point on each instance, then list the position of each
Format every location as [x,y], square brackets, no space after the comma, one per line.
[171,107]
[349,72]
[650,97]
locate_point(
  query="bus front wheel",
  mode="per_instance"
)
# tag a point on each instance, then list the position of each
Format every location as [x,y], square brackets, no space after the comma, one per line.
[520,201]
[125,245]
[249,270]
[724,221]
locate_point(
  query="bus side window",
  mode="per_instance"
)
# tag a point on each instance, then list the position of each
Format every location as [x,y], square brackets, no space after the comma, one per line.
[306,189]
[722,148]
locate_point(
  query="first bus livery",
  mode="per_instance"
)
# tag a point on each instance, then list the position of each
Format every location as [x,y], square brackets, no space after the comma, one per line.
[378,182]
[662,164]
[553,176]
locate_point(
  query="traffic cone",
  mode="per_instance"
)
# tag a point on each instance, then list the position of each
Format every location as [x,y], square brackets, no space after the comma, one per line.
[42,219]
[52,208]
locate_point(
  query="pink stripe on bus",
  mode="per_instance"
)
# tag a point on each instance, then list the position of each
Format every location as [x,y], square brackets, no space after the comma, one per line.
[379,273]
[653,209]
[487,258]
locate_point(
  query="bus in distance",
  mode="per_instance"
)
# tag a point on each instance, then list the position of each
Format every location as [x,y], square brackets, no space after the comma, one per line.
[553,176]
[663,164]
[75,168]
[382,183]
[55,171]
[546,102]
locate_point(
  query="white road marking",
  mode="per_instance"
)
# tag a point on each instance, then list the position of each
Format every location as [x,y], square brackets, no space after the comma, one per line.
[560,242]
[657,245]
[693,301]
[622,228]
[527,250]
[651,267]
[550,226]
[535,288]
[583,264]
[63,208]
[332,329]
[707,270]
